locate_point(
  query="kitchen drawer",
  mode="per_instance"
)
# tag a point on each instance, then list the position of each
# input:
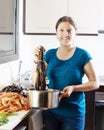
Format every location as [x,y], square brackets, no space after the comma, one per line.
[99,96]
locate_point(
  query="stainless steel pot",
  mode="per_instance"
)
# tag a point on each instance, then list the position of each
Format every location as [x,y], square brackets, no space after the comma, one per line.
[44,99]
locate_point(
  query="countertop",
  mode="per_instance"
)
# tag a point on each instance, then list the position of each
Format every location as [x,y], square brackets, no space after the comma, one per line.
[15,120]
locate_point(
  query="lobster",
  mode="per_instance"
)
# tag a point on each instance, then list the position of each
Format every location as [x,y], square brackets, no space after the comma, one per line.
[41,81]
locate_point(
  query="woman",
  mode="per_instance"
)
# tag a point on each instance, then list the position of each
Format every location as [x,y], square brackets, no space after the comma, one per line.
[65,68]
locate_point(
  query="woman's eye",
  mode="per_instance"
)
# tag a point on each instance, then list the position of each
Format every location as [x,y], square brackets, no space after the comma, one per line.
[61,30]
[68,31]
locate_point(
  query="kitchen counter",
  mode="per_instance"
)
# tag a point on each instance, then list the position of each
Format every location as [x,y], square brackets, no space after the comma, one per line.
[15,120]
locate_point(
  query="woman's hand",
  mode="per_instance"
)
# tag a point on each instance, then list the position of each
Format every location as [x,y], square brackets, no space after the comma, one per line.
[36,53]
[66,92]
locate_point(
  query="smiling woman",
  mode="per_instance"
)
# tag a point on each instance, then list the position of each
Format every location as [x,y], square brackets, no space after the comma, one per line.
[8,30]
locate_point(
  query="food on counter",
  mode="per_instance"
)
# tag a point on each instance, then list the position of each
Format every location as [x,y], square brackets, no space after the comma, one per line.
[3,120]
[41,81]
[4,117]
[14,88]
[12,102]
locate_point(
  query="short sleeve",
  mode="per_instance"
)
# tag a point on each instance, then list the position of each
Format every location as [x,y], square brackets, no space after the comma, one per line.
[49,55]
[86,57]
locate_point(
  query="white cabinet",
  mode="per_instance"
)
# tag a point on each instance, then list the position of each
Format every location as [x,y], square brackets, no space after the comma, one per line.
[41,16]
[6,16]
[101,16]
[85,13]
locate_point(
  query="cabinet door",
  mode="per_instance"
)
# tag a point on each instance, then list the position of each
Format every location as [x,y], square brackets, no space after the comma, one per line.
[6,16]
[90,110]
[85,13]
[41,16]
[101,16]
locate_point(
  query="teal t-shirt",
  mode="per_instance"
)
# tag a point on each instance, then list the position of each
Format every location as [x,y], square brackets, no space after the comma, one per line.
[62,73]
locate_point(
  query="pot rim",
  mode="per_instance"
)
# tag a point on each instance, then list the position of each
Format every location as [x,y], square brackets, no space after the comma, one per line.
[45,91]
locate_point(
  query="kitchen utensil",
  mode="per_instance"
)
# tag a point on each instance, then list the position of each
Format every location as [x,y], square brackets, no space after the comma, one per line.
[46,99]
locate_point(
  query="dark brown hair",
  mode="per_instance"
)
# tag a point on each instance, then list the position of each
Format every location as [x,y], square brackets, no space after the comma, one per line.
[66,19]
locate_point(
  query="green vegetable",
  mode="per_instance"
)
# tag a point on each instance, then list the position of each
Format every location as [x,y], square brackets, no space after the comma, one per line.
[4,117]
[3,120]
[7,114]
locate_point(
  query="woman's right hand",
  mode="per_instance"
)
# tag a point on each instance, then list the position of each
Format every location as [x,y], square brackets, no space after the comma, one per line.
[36,53]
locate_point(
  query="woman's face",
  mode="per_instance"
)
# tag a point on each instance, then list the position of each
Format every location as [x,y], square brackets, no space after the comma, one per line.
[66,33]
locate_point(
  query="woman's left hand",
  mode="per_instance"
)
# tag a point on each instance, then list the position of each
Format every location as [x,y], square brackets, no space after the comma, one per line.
[66,92]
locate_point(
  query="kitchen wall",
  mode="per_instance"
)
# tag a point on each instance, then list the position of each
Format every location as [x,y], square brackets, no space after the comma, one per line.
[27,43]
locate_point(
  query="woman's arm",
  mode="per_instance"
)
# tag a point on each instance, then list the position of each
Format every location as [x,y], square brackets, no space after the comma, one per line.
[92,84]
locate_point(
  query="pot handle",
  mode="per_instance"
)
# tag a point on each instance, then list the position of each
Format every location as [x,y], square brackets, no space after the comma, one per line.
[61,92]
